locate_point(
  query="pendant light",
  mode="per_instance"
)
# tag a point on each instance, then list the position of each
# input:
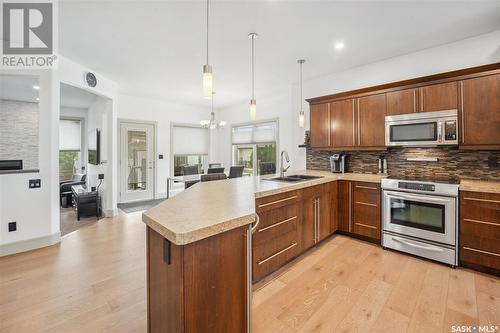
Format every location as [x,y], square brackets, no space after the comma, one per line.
[207,69]
[212,123]
[301,110]
[253,102]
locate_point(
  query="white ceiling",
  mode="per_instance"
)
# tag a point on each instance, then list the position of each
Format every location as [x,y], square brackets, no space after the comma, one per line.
[18,88]
[73,97]
[157,48]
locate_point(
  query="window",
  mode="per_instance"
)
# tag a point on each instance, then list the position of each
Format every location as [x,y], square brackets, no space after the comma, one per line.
[190,145]
[70,147]
[254,146]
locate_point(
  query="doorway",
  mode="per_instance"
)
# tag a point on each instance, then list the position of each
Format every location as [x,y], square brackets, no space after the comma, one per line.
[137,167]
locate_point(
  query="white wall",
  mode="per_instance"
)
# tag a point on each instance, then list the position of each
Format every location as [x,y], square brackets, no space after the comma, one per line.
[480,50]
[163,113]
[37,210]
[73,74]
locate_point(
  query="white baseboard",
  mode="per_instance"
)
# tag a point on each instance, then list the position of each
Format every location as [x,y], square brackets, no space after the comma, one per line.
[29,244]
[110,212]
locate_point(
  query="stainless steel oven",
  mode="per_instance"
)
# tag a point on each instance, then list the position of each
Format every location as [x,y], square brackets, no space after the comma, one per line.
[422,129]
[420,217]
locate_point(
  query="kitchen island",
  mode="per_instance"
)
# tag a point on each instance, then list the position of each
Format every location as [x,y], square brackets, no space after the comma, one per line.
[199,248]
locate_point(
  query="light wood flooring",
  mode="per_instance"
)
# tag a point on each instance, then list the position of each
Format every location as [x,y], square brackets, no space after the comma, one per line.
[95,280]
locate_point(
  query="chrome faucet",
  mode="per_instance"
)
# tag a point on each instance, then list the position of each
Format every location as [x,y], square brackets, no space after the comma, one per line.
[287,158]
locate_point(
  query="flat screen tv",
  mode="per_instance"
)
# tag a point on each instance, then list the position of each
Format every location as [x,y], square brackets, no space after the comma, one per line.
[94,146]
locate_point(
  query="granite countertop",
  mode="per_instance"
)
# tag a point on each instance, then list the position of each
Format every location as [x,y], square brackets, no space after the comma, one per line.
[210,208]
[480,186]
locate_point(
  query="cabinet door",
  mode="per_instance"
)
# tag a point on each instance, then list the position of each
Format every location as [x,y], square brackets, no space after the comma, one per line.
[344,205]
[320,125]
[439,97]
[324,216]
[307,224]
[371,121]
[480,229]
[343,123]
[334,197]
[481,110]
[401,102]
[366,209]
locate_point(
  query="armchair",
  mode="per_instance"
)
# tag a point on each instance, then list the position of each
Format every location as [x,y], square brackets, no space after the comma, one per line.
[65,187]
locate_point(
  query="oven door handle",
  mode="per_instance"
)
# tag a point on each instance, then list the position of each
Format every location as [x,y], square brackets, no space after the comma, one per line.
[429,247]
[417,198]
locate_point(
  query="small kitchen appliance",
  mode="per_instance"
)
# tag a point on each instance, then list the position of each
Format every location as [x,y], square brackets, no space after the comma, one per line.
[338,163]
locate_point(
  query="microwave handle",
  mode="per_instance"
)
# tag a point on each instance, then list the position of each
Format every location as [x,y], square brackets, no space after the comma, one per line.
[440,131]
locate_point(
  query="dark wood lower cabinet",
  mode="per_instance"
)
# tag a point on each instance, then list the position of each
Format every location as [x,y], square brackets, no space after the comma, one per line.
[480,231]
[359,210]
[198,287]
[291,223]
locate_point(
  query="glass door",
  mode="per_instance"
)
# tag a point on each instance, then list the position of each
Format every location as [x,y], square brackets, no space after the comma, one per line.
[136,161]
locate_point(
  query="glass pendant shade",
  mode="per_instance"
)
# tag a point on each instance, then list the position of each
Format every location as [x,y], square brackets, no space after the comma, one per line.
[207,81]
[253,109]
[301,119]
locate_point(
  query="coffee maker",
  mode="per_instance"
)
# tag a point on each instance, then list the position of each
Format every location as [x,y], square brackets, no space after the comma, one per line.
[338,163]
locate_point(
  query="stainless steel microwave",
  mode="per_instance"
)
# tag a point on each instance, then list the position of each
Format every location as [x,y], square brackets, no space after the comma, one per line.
[422,129]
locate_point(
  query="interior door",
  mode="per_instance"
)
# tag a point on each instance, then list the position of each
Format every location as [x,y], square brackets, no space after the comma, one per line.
[136,162]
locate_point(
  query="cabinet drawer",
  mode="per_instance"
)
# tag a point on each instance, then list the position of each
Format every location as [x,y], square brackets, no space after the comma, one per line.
[366,193]
[271,217]
[276,201]
[480,235]
[273,233]
[314,191]
[272,260]
[366,220]
[480,257]
[480,206]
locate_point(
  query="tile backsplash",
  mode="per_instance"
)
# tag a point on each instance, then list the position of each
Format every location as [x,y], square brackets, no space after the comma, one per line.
[451,162]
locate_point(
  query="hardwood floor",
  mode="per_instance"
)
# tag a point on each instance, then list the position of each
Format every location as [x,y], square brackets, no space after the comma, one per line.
[94,281]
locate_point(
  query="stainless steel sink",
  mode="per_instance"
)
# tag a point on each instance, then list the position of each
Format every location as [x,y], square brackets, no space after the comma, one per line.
[294,178]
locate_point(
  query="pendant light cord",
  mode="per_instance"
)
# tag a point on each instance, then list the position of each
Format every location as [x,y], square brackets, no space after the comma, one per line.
[253,70]
[207,28]
[300,86]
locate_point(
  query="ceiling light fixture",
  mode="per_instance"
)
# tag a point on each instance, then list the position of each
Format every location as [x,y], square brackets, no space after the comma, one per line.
[339,45]
[207,69]
[301,112]
[38,99]
[36,87]
[253,102]
[212,123]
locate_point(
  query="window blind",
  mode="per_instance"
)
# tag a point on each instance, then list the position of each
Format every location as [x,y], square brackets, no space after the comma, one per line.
[70,135]
[190,140]
[255,133]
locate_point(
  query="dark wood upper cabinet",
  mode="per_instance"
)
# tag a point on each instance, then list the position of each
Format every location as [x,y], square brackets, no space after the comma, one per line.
[480,104]
[371,121]
[320,125]
[343,123]
[401,102]
[439,97]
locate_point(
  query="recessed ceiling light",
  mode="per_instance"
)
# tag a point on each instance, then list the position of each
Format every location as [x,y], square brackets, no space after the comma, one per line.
[37,99]
[339,45]
[36,87]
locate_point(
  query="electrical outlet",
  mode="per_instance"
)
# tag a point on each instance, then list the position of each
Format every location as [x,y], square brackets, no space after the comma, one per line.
[35,183]
[100,176]
[12,226]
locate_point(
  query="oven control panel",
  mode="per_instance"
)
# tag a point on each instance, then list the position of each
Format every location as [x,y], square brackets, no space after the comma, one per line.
[417,186]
